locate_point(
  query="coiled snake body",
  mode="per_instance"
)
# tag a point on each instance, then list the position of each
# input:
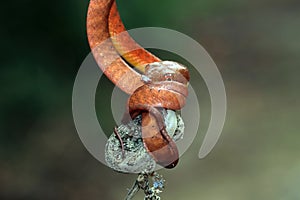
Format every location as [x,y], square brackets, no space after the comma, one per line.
[162,84]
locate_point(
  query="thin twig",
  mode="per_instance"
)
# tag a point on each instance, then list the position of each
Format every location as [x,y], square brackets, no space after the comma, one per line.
[132,192]
[142,182]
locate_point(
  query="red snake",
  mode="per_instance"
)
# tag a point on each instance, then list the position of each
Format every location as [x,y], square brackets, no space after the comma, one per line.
[164,87]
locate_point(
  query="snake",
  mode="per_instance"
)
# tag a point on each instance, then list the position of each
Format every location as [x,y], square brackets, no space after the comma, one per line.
[153,86]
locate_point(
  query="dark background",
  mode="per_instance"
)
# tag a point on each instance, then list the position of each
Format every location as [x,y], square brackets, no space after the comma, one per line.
[256,46]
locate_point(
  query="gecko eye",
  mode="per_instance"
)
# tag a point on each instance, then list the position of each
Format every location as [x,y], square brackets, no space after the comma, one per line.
[168,77]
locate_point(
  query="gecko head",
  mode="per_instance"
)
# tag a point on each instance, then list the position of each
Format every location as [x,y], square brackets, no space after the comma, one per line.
[167,71]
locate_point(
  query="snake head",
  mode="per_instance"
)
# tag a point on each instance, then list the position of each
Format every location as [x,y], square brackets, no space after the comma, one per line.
[167,71]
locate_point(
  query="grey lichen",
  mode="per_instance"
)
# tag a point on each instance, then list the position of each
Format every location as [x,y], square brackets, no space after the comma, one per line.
[142,182]
[135,158]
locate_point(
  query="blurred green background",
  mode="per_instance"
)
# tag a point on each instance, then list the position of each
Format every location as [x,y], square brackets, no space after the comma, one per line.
[256,46]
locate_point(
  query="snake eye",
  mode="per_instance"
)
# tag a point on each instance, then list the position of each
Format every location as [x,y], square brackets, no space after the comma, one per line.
[168,77]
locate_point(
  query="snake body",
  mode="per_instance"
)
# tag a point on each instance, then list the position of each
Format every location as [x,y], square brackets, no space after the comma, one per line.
[165,85]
